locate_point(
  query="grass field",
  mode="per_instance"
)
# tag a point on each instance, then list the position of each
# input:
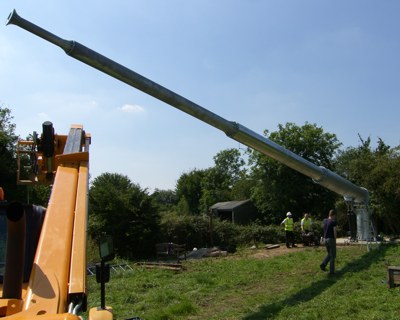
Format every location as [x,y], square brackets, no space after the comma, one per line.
[250,286]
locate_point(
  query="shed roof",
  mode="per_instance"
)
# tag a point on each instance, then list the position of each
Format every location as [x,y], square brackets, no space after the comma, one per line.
[229,205]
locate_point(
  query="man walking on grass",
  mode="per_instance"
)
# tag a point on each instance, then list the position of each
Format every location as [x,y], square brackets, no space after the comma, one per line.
[330,242]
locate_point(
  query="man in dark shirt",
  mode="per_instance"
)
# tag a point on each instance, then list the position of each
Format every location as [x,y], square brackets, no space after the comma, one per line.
[330,242]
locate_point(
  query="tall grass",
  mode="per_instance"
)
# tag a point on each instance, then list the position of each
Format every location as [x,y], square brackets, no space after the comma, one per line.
[245,286]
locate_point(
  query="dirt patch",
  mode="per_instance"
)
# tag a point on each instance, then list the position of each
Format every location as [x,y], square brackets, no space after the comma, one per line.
[262,253]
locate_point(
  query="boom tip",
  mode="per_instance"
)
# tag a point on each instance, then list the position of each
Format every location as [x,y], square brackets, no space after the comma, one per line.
[11,17]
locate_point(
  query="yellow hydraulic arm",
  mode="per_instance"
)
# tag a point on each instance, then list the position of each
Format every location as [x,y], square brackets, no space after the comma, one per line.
[57,283]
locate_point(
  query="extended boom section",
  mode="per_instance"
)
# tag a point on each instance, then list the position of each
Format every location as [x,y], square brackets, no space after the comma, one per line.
[326,178]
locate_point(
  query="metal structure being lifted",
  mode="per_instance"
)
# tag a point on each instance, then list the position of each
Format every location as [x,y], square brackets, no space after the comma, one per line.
[356,197]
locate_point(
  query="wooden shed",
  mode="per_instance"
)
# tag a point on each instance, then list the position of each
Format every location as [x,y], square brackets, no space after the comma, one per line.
[239,212]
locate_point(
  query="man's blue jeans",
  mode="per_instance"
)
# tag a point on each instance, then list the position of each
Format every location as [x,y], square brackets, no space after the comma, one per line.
[330,244]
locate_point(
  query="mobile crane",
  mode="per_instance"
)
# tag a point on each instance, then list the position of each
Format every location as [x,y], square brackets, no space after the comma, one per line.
[57,286]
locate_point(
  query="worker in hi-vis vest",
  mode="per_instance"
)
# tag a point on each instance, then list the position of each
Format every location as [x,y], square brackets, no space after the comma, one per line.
[306,229]
[306,223]
[289,224]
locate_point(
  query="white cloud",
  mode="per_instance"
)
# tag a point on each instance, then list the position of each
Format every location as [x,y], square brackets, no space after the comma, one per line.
[131,108]
[43,115]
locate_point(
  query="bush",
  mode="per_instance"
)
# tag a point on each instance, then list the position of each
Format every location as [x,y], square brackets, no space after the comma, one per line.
[194,231]
[256,233]
[225,234]
[184,229]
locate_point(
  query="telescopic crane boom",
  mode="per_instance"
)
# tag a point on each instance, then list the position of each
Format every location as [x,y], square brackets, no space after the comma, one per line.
[326,178]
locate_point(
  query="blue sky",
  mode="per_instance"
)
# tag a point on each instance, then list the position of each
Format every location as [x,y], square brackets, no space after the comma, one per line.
[259,63]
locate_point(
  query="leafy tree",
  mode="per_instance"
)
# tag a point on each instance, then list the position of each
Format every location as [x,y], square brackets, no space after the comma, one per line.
[123,210]
[164,200]
[182,208]
[8,161]
[378,170]
[39,194]
[278,188]
[242,188]
[8,140]
[220,180]
[212,191]
[188,187]
[229,166]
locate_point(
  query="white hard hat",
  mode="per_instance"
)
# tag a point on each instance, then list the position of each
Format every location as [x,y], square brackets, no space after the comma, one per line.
[289,214]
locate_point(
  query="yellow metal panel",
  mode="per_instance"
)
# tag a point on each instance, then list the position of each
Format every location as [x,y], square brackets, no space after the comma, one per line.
[10,306]
[72,158]
[78,259]
[27,315]
[101,314]
[47,289]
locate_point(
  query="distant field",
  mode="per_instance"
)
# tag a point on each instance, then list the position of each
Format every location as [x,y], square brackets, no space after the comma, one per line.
[254,286]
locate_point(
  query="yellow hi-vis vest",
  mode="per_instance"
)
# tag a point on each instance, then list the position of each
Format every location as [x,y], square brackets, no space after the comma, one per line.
[289,224]
[306,223]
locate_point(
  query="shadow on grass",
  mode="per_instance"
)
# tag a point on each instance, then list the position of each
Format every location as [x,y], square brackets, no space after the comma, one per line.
[271,310]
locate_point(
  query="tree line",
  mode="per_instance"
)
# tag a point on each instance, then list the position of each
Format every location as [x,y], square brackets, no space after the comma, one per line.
[125,209]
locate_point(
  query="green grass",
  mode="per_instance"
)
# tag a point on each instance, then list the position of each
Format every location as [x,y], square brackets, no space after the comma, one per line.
[240,286]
